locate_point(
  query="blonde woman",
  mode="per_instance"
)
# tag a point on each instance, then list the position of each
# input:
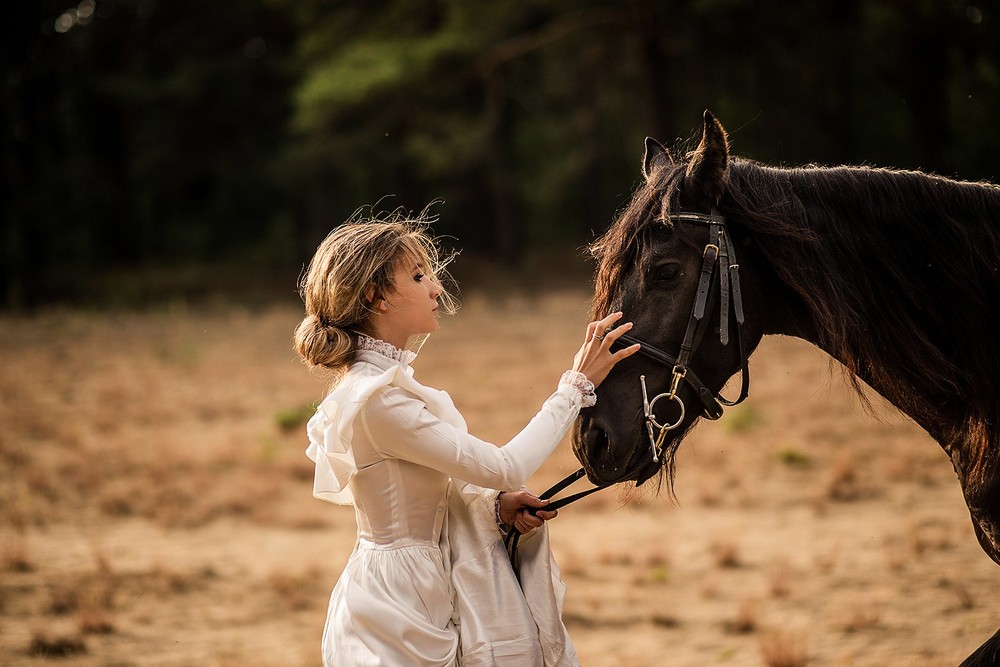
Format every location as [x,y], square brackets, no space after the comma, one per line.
[428,582]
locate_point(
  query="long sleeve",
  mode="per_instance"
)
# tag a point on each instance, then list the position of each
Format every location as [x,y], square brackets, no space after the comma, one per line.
[399,425]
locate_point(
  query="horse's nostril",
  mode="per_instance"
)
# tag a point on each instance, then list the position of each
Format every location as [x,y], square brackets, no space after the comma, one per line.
[600,443]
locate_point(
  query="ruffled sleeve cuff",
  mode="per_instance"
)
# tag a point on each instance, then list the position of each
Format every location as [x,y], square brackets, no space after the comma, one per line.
[583,395]
[501,526]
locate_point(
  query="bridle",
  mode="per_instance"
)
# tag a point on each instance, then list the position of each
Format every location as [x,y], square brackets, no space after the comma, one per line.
[719,279]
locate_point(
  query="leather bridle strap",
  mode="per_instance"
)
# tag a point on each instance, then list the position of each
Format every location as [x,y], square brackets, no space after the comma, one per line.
[710,403]
[719,253]
[729,277]
[697,321]
[514,535]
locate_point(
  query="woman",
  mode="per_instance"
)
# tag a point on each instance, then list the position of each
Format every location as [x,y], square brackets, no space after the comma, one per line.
[428,582]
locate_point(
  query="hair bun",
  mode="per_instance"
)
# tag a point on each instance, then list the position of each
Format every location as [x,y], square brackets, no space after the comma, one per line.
[323,344]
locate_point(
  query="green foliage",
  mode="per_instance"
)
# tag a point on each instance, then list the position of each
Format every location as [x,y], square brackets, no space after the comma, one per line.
[294,418]
[182,353]
[659,575]
[177,133]
[742,419]
[364,69]
[269,450]
[793,457]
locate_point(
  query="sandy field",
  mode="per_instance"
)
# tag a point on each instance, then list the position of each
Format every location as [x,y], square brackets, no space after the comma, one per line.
[155,503]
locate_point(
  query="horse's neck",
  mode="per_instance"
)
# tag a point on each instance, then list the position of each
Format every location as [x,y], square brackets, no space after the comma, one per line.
[893,259]
[853,195]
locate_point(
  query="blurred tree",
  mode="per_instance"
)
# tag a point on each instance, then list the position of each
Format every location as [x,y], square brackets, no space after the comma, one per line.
[484,106]
[141,133]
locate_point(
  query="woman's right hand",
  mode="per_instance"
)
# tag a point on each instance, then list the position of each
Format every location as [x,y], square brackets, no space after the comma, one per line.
[595,358]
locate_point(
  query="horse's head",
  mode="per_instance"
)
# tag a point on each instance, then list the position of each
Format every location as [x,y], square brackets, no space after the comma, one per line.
[652,266]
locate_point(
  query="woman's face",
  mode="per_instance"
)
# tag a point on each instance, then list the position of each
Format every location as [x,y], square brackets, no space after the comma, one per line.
[412,304]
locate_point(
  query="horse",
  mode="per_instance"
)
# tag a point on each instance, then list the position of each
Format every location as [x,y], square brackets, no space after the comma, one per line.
[893,273]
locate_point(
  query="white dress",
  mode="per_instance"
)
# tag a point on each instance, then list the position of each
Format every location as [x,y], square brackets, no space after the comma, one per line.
[429,582]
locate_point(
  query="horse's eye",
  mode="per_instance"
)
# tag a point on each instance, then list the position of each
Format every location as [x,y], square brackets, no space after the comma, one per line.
[665,273]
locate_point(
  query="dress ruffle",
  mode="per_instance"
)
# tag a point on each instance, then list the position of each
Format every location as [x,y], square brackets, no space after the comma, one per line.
[387,350]
[331,429]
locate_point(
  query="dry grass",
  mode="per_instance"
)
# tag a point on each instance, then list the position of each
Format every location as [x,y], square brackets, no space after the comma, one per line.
[726,553]
[782,649]
[861,618]
[297,591]
[46,645]
[15,554]
[153,487]
[844,485]
[747,618]
[966,601]
[93,621]
[780,577]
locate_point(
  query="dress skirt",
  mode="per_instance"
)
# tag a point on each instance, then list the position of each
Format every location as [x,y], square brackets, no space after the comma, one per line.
[392,606]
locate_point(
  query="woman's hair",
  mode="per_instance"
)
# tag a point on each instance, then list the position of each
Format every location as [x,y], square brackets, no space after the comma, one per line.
[353,268]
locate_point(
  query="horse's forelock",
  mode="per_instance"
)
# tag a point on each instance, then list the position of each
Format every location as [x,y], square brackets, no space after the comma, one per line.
[618,248]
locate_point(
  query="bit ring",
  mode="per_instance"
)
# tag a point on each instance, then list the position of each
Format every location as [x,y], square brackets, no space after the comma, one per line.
[652,417]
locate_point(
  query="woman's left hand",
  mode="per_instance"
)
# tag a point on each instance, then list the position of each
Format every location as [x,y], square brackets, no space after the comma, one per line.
[514,510]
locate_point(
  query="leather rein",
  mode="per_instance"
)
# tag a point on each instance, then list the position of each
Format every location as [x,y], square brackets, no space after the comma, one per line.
[719,279]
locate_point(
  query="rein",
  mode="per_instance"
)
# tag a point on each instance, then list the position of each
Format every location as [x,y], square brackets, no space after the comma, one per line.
[514,535]
[719,279]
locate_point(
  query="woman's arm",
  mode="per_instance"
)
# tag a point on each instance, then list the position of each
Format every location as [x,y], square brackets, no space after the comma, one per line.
[399,425]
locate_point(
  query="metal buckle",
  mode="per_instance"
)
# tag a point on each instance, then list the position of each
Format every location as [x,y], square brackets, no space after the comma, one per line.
[675,382]
[656,442]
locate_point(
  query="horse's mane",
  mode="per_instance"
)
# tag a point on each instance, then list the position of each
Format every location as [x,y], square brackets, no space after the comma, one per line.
[898,270]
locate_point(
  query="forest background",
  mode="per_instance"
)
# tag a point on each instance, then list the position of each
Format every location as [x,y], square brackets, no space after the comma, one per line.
[168,167]
[172,150]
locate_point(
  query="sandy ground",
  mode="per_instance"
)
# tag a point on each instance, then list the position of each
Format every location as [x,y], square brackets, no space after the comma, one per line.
[155,503]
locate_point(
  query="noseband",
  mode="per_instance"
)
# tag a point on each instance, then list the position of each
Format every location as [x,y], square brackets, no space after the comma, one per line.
[719,279]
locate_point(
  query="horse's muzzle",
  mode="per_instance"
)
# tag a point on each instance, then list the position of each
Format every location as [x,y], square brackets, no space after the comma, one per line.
[594,448]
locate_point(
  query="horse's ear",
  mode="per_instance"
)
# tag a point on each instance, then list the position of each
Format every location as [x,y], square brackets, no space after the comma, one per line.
[708,167]
[656,157]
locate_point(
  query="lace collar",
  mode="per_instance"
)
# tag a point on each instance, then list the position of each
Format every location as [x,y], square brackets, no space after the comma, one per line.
[388,350]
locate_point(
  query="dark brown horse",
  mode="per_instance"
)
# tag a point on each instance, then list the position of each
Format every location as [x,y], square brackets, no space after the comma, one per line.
[896,274]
